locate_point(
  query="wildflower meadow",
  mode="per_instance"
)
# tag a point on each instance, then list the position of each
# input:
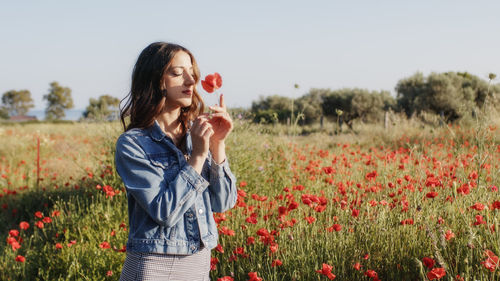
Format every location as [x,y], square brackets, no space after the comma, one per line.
[407,202]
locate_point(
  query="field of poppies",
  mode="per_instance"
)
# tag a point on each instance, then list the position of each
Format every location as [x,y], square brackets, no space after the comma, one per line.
[403,203]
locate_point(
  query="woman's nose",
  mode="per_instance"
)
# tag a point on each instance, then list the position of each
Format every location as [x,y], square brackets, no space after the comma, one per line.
[189,80]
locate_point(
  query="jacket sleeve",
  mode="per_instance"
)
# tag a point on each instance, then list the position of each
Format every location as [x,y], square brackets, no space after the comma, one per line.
[165,202]
[222,188]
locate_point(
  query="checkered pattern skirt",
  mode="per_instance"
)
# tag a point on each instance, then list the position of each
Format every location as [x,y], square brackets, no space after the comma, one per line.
[151,266]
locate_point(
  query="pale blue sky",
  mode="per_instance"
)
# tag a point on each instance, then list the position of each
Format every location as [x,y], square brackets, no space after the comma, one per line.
[259,47]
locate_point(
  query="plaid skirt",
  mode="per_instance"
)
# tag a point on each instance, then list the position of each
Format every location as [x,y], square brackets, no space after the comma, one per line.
[151,266]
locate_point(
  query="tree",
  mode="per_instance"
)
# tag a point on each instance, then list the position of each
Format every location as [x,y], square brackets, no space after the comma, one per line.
[17,102]
[408,89]
[310,105]
[3,113]
[58,99]
[352,104]
[271,109]
[103,108]
[453,94]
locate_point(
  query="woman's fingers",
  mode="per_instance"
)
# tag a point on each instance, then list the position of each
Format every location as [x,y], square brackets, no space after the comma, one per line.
[221,101]
[204,127]
[208,133]
[220,114]
[217,109]
[198,122]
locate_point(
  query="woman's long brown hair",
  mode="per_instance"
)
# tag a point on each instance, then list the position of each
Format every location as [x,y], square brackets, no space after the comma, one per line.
[146,99]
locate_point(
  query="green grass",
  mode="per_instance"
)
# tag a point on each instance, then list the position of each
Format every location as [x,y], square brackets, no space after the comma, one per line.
[76,158]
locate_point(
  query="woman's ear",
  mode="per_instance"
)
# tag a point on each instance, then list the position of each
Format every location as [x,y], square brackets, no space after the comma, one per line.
[163,89]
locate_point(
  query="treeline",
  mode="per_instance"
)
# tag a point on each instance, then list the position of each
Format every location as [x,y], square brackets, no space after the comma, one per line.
[452,95]
[58,99]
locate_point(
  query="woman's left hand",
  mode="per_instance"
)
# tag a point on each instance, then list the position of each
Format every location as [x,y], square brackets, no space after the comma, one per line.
[221,122]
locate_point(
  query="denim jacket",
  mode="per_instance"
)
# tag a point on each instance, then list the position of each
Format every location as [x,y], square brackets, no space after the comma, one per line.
[170,205]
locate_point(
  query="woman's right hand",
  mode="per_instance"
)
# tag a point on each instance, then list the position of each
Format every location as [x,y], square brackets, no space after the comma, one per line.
[201,131]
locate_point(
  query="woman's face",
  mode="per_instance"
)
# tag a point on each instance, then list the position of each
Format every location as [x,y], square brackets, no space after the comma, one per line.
[178,81]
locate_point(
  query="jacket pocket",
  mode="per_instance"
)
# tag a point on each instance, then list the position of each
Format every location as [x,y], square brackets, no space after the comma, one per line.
[173,231]
[163,160]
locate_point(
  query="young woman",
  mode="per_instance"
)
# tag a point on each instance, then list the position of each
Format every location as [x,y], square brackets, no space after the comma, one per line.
[172,161]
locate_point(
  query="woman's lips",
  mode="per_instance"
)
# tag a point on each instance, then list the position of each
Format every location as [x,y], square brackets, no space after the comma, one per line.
[187,92]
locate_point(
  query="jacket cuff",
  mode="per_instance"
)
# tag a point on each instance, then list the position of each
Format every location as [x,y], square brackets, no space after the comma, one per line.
[195,179]
[219,169]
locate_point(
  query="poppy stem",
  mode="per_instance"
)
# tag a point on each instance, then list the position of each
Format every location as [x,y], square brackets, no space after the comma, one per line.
[37,162]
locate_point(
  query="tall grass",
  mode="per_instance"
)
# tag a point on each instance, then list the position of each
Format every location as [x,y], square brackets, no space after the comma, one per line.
[384,173]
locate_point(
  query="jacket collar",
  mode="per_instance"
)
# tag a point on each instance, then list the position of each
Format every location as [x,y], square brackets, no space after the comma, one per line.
[155,132]
[158,135]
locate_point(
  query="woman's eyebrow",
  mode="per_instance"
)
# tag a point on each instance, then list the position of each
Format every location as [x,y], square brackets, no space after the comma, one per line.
[178,66]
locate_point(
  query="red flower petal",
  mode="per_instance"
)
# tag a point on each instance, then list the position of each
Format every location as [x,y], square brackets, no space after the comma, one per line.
[206,86]
[218,80]
[436,273]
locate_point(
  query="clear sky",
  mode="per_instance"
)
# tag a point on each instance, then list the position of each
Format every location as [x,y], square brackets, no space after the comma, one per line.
[259,47]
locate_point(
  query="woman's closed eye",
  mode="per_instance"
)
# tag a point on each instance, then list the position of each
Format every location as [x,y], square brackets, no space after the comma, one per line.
[179,73]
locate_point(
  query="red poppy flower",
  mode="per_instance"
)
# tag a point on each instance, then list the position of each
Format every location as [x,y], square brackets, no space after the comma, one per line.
[355,213]
[449,234]
[15,245]
[327,271]
[428,262]
[219,248]
[225,278]
[372,274]
[492,262]
[336,227]
[252,218]
[276,262]
[495,205]
[250,240]
[262,232]
[239,251]
[253,276]
[212,82]
[431,194]
[20,258]
[213,263]
[371,176]
[477,207]
[105,245]
[293,205]
[14,232]
[226,231]
[24,225]
[479,220]
[273,247]
[407,221]
[59,246]
[357,266]
[39,224]
[310,219]
[436,273]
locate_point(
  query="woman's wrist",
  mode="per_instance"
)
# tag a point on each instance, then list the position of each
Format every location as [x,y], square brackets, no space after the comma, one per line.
[197,161]
[218,150]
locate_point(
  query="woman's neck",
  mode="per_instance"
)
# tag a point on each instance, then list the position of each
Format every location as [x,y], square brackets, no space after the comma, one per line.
[169,121]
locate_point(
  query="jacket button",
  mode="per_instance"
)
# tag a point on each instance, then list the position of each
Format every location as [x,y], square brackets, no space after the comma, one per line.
[200,211]
[190,215]
[193,248]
